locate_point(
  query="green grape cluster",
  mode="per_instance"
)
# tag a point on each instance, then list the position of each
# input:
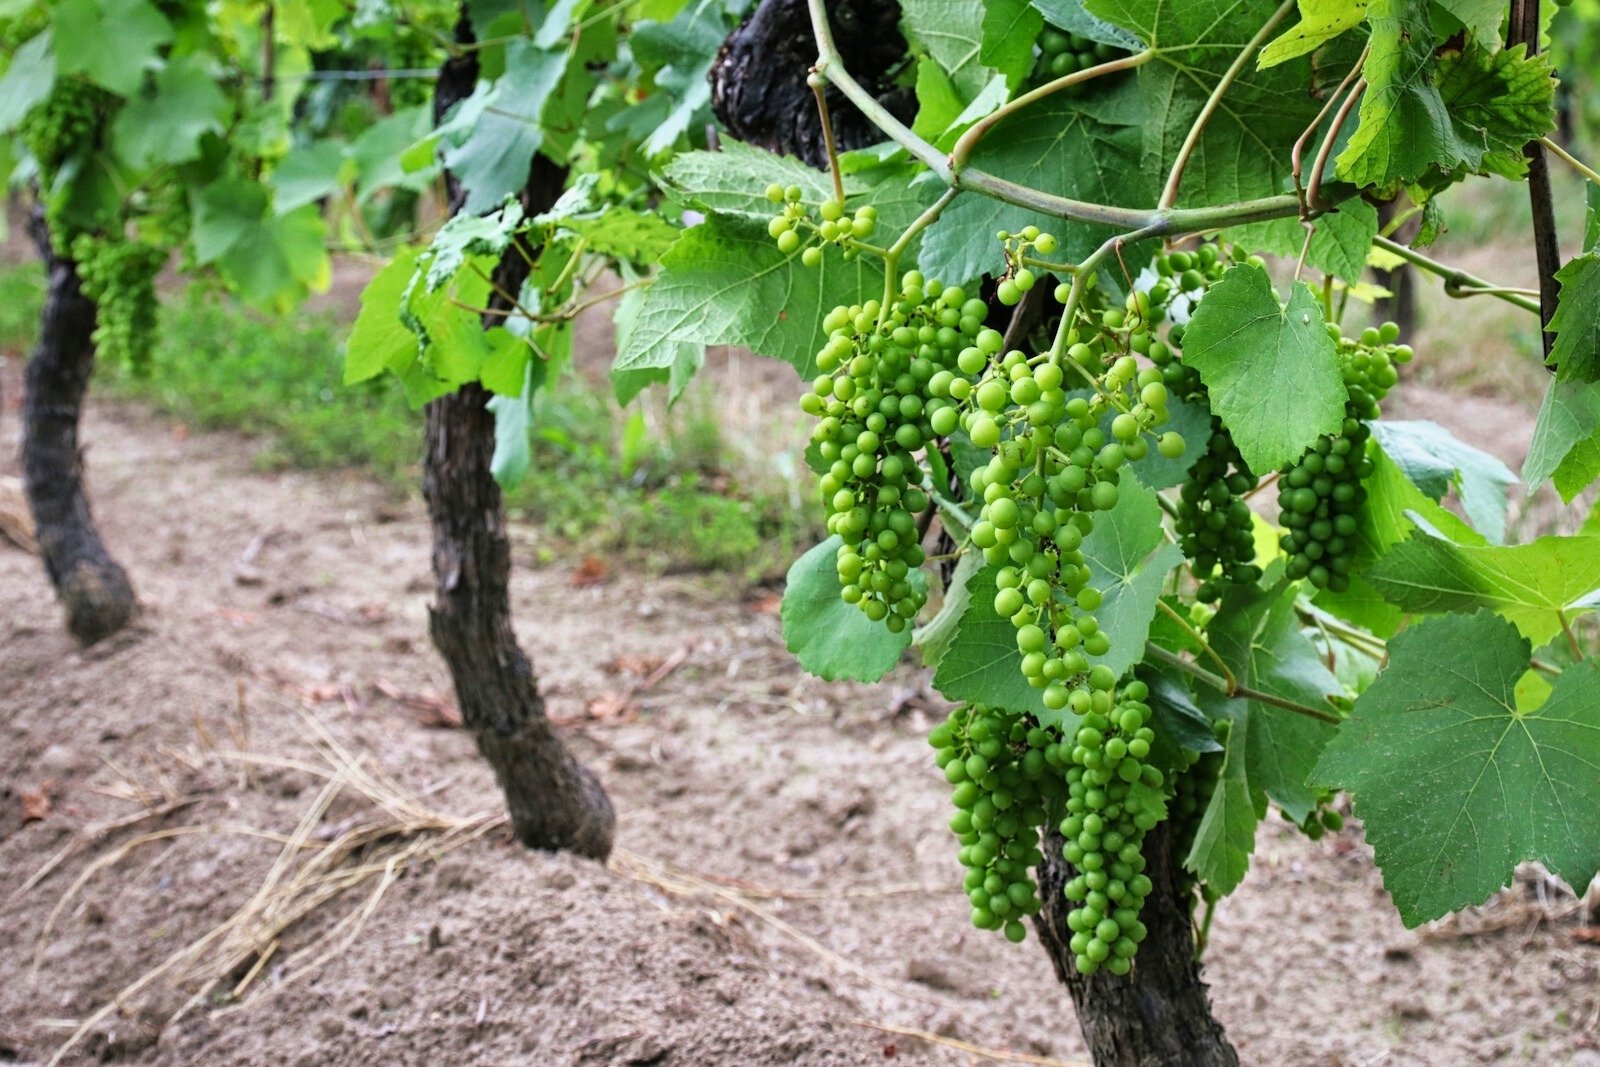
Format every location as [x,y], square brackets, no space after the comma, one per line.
[1321,819]
[1062,53]
[1004,779]
[1192,789]
[1320,494]
[1054,466]
[1019,277]
[834,224]
[884,392]
[1114,797]
[68,121]
[119,276]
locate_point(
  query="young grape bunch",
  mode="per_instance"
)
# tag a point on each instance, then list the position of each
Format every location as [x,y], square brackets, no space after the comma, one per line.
[67,122]
[1062,53]
[1114,797]
[1192,789]
[1320,495]
[1057,461]
[877,406]
[119,276]
[996,762]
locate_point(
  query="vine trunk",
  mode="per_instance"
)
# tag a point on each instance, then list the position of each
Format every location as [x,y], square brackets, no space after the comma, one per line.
[93,588]
[554,801]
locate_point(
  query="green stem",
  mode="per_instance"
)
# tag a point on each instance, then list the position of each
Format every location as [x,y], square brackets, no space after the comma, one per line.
[1571,160]
[891,255]
[1169,195]
[818,85]
[1572,638]
[1244,692]
[962,152]
[1456,282]
[1198,638]
[952,510]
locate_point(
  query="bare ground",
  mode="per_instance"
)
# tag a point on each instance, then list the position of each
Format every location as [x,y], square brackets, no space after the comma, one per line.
[735,767]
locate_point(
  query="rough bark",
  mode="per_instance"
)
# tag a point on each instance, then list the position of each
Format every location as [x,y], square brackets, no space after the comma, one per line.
[758,83]
[93,589]
[1524,29]
[1159,1015]
[554,801]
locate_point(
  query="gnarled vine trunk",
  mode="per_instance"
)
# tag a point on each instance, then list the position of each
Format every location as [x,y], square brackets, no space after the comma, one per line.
[758,82]
[554,801]
[93,588]
[1158,1016]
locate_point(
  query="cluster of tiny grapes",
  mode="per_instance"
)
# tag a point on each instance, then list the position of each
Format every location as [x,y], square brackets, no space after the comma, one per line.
[1192,789]
[66,122]
[834,226]
[1053,468]
[1005,770]
[1020,278]
[884,392]
[1322,818]
[1320,494]
[119,276]
[1114,796]
[1062,53]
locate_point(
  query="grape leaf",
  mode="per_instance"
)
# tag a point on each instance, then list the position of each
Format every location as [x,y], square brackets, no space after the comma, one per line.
[1566,439]
[1508,95]
[1340,239]
[1435,461]
[1320,22]
[110,42]
[1272,371]
[1257,633]
[1075,148]
[982,663]
[682,360]
[1069,15]
[466,236]
[720,284]
[1129,558]
[1481,18]
[1174,713]
[951,31]
[1576,323]
[1532,585]
[1243,149]
[833,639]
[1455,785]
[1226,836]
[678,55]
[308,173]
[1009,30]
[490,138]
[379,340]
[379,154]
[165,124]
[27,81]
[733,181]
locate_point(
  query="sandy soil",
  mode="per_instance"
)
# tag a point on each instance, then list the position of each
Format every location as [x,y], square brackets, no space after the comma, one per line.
[269,598]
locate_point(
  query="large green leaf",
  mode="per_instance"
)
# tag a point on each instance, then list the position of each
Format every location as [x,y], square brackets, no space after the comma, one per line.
[1009,29]
[982,663]
[1436,461]
[1507,94]
[1226,837]
[725,285]
[1533,585]
[951,31]
[1087,148]
[833,639]
[1566,438]
[308,173]
[165,124]
[1455,785]
[491,137]
[379,340]
[1272,371]
[1257,633]
[733,181]
[1243,148]
[27,81]
[1129,557]
[1576,323]
[110,42]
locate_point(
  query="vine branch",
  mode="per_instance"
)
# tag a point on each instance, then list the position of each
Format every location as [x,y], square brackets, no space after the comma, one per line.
[1457,283]
[1243,692]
